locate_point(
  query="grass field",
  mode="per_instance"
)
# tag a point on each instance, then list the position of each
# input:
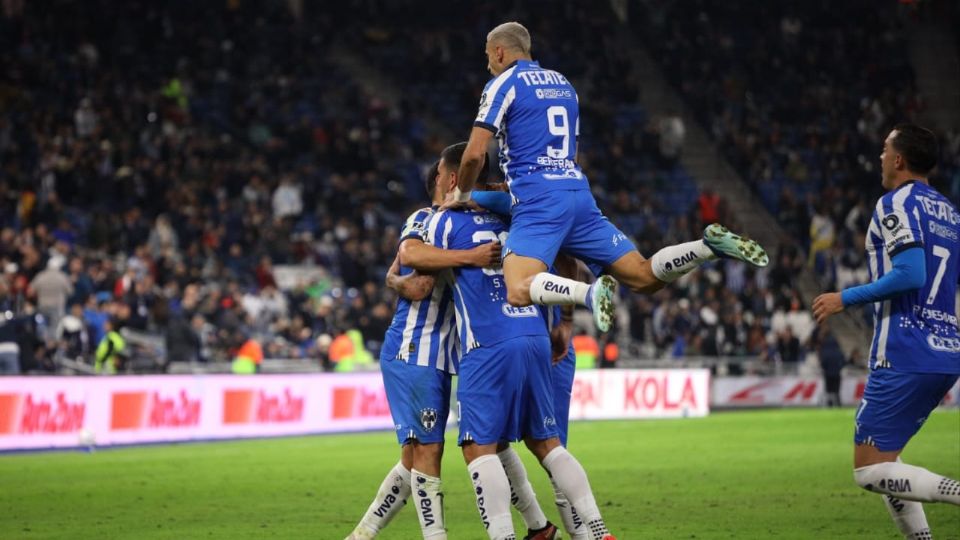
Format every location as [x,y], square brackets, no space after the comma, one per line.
[779,474]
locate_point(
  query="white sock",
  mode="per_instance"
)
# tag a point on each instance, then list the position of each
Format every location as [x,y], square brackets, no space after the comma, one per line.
[391,497]
[909,518]
[672,262]
[521,492]
[568,515]
[569,475]
[492,489]
[908,482]
[550,290]
[428,499]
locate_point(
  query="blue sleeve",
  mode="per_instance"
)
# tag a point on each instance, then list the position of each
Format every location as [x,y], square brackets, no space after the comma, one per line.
[909,273]
[497,202]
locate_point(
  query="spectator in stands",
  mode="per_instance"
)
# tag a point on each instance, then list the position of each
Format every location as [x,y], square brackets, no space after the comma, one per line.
[111,352]
[788,348]
[832,362]
[51,288]
[72,337]
[182,342]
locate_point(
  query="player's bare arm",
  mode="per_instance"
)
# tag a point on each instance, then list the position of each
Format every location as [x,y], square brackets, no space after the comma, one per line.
[414,286]
[426,258]
[472,163]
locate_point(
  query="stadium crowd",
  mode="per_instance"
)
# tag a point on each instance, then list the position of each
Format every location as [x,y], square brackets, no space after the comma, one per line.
[158,168]
[800,102]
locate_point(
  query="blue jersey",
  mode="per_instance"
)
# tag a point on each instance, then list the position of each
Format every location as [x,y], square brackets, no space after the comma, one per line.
[423,331]
[916,331]
[535,114]
[484,317]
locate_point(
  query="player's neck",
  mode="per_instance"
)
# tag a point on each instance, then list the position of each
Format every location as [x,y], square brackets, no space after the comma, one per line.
[909,177]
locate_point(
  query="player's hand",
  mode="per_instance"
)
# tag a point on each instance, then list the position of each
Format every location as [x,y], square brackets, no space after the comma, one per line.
[825,305]
[486,255]
[560,340]
[452,204]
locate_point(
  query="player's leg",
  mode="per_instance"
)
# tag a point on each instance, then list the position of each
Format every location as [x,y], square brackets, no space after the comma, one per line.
[486,397]
[539,425]
[892,402]
[886,420]
[391,497]
[522,495]
[395,488]
[537,230]
[431,406]
[571,479]
[427,489]
[562,375]
[594,239]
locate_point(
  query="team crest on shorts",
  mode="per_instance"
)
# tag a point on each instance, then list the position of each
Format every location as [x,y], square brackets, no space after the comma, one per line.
[428,419]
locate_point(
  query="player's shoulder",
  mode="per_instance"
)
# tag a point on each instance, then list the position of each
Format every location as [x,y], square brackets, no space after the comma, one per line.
[416,222]
[421,214]
[502,80]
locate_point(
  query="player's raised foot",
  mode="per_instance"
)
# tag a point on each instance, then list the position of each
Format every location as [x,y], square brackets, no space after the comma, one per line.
[601,302]
[550,532]
[728,245]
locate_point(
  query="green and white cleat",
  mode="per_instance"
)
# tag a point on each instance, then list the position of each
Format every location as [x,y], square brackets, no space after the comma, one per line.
[601,296]
[727,245]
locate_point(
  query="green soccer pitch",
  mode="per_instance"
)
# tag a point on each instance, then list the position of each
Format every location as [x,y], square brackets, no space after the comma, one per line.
[763,474]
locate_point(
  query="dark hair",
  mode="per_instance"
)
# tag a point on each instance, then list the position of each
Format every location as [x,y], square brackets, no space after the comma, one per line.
[453,155]
[430,180]
[918,146]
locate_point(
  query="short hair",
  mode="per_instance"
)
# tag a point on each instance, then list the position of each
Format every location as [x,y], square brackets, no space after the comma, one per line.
[430,180]
[918,146]
[511,35]
[453,155]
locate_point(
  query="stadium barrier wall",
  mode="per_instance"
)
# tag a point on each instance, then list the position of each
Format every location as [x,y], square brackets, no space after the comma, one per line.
[751,391]
[63,412]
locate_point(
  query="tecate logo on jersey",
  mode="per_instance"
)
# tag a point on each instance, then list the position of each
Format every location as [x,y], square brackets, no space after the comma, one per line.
[137,410]
[939,209]
[25,414]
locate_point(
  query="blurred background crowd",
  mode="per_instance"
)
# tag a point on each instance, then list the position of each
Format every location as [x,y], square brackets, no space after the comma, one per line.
[194,175]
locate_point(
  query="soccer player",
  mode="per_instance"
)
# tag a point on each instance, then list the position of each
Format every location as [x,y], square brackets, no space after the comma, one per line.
[504,390]
[420,354]
[534,112]
[560,325]
[913,246]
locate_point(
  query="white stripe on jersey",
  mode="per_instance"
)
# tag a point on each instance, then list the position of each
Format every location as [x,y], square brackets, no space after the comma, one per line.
[447,227]
[916,216]
[898,198]
[492,94]
[465,330]
[426,337]
[884,320]
[507,101]
[871,244]
[450,343]
[412,315]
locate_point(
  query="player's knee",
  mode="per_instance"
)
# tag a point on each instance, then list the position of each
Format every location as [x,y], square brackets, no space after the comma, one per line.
[431,451]
[870,476]
[518,296]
